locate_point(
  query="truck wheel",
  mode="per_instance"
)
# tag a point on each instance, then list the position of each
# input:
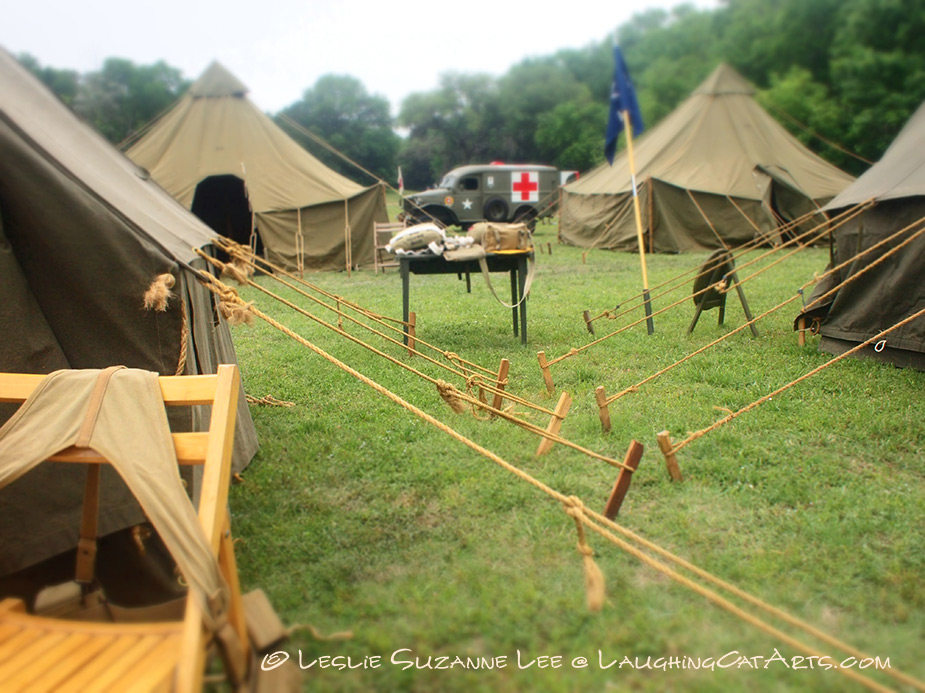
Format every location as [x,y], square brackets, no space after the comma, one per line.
[495,209]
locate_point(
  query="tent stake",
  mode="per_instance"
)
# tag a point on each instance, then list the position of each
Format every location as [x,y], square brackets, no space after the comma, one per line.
[664,443]
[624,478]
[603,409]
[412,322]
[547,376]
[502,379]
[588,324]
[555,423]
[801,331]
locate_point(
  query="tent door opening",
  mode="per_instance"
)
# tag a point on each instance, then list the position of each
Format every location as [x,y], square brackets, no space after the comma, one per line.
[221,202]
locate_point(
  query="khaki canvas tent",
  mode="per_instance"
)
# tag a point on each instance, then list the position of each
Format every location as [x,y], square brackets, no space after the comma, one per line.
[224,159]
[895,288]
[83,234]
[715,172]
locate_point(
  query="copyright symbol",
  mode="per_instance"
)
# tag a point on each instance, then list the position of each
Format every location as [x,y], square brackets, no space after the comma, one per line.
[273,660]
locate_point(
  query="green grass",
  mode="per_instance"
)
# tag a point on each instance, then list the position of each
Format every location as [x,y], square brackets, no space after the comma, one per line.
[355,515]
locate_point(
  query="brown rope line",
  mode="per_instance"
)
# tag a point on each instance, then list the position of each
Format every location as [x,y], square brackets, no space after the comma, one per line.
[835,222]
[338,328]
[825,232]
[492,387]
[706,267]
[707,219]
[441,386]
[227,293]
[229,246]
[730,417]
[740,593]
[742,212]
[872,264]
[727,605]
[450,356]
[453,358]
[830,226]
[184,339]
[268,400]
[634,388]
[447,391]
[718,286]
[739,252]
[679,278]
[341,331]
[245,254]
[531,427]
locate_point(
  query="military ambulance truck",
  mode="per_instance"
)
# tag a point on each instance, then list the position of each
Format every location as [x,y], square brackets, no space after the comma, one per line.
[492,192]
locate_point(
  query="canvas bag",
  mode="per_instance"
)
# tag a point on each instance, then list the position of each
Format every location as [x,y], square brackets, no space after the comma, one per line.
[494,237]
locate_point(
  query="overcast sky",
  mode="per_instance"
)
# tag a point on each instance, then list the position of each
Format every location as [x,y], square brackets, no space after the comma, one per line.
[279,48]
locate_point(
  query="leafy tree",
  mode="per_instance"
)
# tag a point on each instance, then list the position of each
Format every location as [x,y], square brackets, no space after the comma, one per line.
[63,83]
[340,111]
[571,135]
[878,69]
[459,123]
[123,97]
[530,89]
[807,109]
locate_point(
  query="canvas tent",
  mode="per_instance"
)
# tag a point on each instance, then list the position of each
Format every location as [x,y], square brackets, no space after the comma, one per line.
[895,288]
[717,171]
[221,157]
[83,232]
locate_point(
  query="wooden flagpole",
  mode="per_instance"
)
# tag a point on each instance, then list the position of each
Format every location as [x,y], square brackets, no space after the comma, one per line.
[627,122]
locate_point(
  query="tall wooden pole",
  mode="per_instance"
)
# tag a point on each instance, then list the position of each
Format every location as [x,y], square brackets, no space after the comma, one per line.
[639,238]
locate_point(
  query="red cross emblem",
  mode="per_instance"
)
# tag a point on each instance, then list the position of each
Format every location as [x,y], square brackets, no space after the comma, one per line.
[526,188]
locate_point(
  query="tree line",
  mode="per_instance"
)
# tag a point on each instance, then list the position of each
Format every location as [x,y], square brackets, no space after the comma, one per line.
[842,75]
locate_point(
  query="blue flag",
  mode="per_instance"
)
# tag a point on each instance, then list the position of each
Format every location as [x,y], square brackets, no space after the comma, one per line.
[622,98]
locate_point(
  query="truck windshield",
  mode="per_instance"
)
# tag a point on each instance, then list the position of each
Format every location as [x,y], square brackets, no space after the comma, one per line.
[449,180]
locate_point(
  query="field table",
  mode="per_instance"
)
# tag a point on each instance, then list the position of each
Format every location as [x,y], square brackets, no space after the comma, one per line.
[513,262]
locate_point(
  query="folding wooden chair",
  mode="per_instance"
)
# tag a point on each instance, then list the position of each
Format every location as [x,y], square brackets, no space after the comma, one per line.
[382,234]
[43,653]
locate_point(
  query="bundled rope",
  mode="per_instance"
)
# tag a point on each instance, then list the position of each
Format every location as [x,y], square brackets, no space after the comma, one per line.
[268,400]
[594,578]
[233,308]
[159,293]
[451,396]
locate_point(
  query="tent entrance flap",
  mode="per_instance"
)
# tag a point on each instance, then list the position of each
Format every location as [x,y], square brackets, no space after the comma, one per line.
[221,202]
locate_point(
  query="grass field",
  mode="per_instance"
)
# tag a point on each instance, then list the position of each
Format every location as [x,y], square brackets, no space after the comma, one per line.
[357,516]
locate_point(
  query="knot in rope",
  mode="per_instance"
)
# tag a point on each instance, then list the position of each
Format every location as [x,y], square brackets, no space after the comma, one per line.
[721,286]
[159,293]
[574,508]
[572,351]
[238,269]
[451,356]
[233,308]
[451,396]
